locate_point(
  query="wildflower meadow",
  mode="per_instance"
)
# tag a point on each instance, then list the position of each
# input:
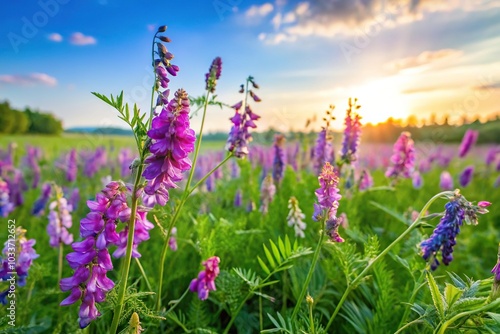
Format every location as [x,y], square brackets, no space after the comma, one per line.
[164,232]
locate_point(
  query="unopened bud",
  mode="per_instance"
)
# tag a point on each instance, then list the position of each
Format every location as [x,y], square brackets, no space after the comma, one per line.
[162,29]
[164,39]
[309,300]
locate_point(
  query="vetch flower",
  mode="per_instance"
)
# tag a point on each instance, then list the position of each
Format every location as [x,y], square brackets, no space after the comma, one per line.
[60,221]
[172,242]
[466,176]
[90,259]
[323,151]
[365,180]
[172,141]
[205,282]
[328,201]
[469,139]
[141,233]
[6,206]
[213,75]
[72,167]
[446,181]
[41,202]
[417,180]
[24,256]
[352,133]
[403,158]
[295,217]
[279,158]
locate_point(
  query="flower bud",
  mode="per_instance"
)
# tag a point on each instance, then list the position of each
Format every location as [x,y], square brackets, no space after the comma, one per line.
[162,29]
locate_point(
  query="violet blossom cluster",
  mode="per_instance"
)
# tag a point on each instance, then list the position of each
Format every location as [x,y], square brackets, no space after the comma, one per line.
[6,206]
[141,233]
[469,139]
[24,254]
[31,160]
[71,166]
[60,221]
[323,150]
[365,180]
[41,202]
[403,158]
[466,176]
[239,135]
[94,161]
[328,197]
[352,134]
[446,181]
[205,282]
[172,140]
[91,260]
[213,75]
[443,239]
[279,158]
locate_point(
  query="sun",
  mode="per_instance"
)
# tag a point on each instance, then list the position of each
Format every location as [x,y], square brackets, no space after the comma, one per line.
[381,99]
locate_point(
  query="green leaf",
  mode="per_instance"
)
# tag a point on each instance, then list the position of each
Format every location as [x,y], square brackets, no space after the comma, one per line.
[276,252]
[288,246]
[437,298]
[263,266]
[269,257]
[451,294]
[281,246]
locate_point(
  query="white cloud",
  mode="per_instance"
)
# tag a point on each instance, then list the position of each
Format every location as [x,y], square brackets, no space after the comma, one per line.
[276,21]
[424,58]
[78,38]
[55,37]
[28,79]
[260,11]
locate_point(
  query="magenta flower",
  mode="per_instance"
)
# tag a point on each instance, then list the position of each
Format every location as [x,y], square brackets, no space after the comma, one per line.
[469,139]
[205,282]
[90,259]
[365,180]
[172,242]
[172,141]
[141,233]
[41,202]
[403,158]
[328,201]
[417,180]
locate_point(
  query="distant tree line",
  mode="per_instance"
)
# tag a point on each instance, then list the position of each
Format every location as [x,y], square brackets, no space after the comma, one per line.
[27,121]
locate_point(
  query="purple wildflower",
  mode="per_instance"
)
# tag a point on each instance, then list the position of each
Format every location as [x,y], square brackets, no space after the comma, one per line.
[125,159]
[41,202]
[496,269]
[238,198]
[71,167]
[74,198]
[213,75]
[469,139]
[417,180]
[328,201]
[352,134]
[403,158]
[444,236]
[446,181]
[323,151]
[32,154]
[205,282]
[492,154]
[6,206]
[172,242]
[141,233]
[495,290]
[25,254]
[90,259]
[239,136]
[60,221]
[365,180]
[279,158]
[466,176]
[267,192]
[172,141]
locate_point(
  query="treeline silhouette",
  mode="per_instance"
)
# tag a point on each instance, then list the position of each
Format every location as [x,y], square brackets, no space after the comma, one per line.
[27,121]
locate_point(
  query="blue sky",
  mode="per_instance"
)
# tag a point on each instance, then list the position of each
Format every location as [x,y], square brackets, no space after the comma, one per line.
[398,57]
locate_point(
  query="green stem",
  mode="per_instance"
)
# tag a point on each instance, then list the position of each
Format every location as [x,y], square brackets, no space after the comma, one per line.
[261,320]
[128,255]
[353,284]
[143,273]
[233,316]
[445,325]
[416,288]
[310,273]
[197,184]
[176,302]
[60,264]
[311,319]
[180,206]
